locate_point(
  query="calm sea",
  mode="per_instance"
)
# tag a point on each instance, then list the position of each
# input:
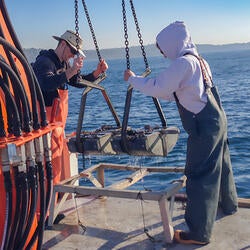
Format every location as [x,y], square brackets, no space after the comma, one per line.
[231,73]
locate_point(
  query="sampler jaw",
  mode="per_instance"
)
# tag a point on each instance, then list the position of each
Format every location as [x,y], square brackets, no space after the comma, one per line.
[109,141]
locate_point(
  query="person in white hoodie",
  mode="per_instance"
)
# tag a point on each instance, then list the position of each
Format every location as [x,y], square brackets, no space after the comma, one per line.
[188,82]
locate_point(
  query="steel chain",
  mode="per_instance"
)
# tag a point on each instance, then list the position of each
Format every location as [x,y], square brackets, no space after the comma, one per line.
[77,25]
[139,34]
[125,34]
[91,30]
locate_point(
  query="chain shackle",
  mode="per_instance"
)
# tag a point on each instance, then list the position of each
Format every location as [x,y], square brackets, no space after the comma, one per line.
[91,30]
[125,34]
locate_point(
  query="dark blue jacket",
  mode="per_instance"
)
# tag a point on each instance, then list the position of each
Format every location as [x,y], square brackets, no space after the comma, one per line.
[50,72]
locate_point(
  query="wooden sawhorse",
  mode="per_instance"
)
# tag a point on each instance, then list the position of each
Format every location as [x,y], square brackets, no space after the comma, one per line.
[117,190]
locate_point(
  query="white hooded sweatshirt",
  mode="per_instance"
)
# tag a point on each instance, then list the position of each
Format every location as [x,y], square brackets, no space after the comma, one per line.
[183,76]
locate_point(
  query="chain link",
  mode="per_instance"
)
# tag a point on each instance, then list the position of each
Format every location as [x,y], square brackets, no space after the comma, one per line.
[139,34]
[125,34]
[77,25]
[91,30]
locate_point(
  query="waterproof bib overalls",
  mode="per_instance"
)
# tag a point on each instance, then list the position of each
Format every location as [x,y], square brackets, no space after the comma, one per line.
[58,113]
[208,166]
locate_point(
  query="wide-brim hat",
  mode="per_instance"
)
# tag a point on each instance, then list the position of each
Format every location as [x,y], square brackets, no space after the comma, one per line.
[71,38]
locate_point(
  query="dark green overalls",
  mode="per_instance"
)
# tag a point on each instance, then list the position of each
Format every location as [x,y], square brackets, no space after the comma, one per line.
[208,166]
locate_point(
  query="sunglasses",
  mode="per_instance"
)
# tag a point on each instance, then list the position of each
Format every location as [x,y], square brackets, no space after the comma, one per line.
[72,50]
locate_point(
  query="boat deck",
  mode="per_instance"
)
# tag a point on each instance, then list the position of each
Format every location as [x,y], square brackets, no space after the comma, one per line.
[119,223]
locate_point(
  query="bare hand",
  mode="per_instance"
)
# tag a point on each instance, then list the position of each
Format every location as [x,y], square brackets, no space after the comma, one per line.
[127,74]
[78,63]
[75,68]
[101,68]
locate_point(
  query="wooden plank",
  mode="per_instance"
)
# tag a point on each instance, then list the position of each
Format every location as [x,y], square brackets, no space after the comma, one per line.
[101,175]
[132,179]
[244,202]
[94,181]
[90,169]
[129,194]
[52,214]
[175,186]
[69,180]
[135,168]
[124,168]
[80,175]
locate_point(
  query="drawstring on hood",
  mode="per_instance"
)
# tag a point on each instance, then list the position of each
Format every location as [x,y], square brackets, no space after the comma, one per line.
[175,41]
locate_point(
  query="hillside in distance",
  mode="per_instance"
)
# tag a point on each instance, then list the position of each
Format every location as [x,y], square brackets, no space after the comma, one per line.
[151,50]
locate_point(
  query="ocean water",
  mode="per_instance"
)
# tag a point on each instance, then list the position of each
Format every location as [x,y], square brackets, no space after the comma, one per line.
[231,73]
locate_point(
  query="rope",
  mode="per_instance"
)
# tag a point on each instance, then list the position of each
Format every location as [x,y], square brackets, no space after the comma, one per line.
[151,238]
[78,217]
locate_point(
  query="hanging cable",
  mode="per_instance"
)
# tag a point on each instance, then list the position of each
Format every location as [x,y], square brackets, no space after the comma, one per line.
[17,216]
[8,108]
[17,85]
[12,64]
[30,79]
[21,203]
[24,207]
[37,93]
[7,157]
[16,43]
[8,217]
[12,111]
[38,234]
[24,228]
[2,130]
[19,82]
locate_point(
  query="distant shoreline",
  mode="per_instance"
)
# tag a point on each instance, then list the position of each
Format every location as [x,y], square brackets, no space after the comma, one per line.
[151,50]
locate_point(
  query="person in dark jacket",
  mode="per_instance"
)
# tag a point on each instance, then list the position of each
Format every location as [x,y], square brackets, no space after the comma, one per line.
[54,73]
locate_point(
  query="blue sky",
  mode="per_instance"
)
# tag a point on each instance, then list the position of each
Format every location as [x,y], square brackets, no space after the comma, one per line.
[209,21]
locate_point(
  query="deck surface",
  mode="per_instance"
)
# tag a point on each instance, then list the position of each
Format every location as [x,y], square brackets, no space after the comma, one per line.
[115,223]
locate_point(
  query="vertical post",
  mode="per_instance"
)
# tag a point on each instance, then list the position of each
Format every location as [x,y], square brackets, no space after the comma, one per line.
[171,208]
[167,228]
[100,175]
[51,210]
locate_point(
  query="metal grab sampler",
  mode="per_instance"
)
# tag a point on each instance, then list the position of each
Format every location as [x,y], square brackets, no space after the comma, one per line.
[111,140]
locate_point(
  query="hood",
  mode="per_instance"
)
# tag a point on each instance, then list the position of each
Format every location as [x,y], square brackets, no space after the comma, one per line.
[175,41]
[50,54]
